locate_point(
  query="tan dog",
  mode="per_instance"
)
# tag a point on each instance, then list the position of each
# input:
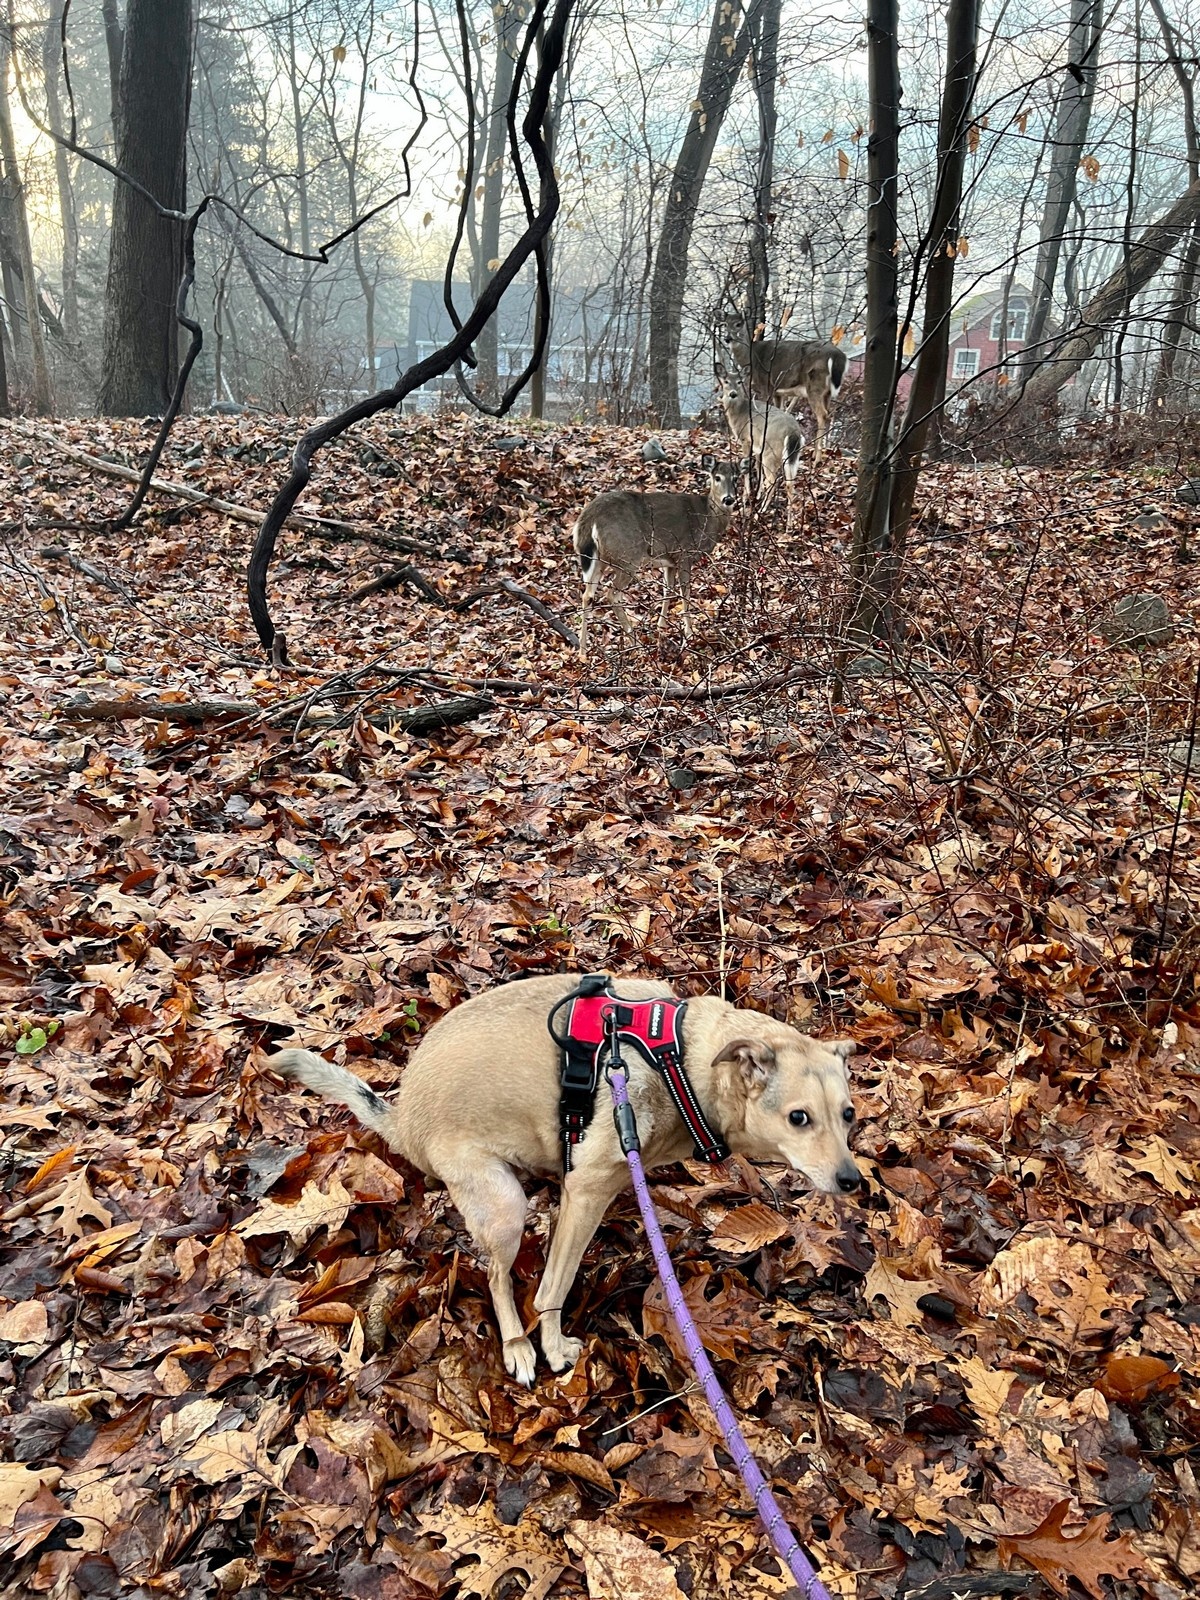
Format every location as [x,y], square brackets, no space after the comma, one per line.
[479,1103]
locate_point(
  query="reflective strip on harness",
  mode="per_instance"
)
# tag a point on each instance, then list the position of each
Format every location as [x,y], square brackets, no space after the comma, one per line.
[655,1029]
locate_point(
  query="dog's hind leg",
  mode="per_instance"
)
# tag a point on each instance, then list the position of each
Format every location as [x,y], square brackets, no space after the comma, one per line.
[492,1203]
[586,1196]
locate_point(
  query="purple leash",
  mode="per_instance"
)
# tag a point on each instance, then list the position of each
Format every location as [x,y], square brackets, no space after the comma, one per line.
[772,1517]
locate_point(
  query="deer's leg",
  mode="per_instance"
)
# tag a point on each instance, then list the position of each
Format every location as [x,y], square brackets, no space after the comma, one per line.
[683,577]
[820,410]
[589,594]
[621,579]
[669,577]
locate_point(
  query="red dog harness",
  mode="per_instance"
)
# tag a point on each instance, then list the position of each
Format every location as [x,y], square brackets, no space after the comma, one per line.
[598,1020]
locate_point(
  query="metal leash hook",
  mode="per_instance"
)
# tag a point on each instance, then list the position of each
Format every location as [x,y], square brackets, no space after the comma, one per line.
[769,1511]
[614,1063]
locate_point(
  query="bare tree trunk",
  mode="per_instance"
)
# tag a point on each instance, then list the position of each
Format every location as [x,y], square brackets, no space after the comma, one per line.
[1118,357]
[542,315]
[1112,300]
[298,133]
[5,408]
[51,60]
[766,70]
[1070,133]
[724,57]
[487,347]
[873,567]
[1179,312]
[43,400]
[145,264]
[114,43]
[928,390]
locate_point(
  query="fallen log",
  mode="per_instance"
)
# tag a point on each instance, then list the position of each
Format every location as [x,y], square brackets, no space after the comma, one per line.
[412,719]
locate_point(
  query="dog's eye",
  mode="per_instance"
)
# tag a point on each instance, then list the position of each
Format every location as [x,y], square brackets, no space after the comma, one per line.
[798,1119]
[848,1114]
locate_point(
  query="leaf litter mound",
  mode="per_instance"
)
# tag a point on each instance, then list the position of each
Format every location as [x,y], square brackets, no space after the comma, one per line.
[246,1352]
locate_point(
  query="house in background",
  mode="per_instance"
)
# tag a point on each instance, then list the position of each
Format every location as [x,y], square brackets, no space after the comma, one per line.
[981,347]
[589,356]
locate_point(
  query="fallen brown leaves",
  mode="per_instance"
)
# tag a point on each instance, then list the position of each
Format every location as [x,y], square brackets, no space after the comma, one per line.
[244,1353]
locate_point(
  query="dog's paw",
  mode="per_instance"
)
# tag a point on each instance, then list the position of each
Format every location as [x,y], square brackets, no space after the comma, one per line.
[564,1355]
[520,1361]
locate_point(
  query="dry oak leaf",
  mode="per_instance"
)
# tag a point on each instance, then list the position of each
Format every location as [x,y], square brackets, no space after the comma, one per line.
[300,1219]
[1063,1280]
[620,1566]
[26,1324]
[901,1294]
[1087,1557]
[497,1548]
[19,1483]
[77,1203]
[747,1229]
[724,1322]
[987,1387]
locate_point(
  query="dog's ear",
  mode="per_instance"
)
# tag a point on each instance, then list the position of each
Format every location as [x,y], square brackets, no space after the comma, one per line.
[754,1060]
[844,1048]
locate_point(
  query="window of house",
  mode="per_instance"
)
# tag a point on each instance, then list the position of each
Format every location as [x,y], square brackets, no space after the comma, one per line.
[966,363]
[1018,316]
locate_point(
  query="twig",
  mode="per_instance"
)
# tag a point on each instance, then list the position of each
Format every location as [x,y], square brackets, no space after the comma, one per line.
[393,579]
[326,527]
[57,604]
[58,552]
[507,586]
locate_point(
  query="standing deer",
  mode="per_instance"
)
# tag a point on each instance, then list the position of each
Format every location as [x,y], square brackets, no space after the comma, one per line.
[624,529]
[785,369]
[770,437]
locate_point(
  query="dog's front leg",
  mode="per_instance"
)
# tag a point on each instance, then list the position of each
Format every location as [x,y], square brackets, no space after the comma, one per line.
[587,1194]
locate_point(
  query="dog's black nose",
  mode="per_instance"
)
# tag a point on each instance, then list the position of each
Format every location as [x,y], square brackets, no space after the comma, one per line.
[849,1179]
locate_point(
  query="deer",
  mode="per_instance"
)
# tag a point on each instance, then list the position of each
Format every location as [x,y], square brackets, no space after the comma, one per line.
[624,529]
[768,436]
[785,369]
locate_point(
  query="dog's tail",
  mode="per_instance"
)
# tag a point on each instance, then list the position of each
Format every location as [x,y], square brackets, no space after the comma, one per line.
[585,549]
[791,464]
[335,1083]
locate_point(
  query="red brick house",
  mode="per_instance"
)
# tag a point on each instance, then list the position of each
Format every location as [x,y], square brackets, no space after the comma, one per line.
[980,347]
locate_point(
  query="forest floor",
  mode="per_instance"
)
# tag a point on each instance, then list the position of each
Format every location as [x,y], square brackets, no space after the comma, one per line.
[247,1352]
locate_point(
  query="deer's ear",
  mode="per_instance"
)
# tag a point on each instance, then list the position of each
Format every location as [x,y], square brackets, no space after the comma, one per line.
[745,465]
[708,463]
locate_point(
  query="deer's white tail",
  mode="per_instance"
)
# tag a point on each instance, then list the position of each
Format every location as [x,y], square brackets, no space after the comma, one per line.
[335,1083]
[791,465]
[585,549]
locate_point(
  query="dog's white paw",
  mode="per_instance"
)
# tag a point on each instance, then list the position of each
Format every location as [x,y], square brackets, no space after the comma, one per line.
[563,1356]
[520,1361]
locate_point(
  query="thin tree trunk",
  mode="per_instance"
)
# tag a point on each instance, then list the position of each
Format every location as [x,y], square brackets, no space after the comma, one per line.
[40,393]
[5,408]
[873,567]
[1179,312]
[487,346]
[958,93]
[145,264]
[1112,300]
[542,315]
[1118,366]
[298,133]
[766,69]
[1070,134]
[724,57]
[51,59]
[114,44]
